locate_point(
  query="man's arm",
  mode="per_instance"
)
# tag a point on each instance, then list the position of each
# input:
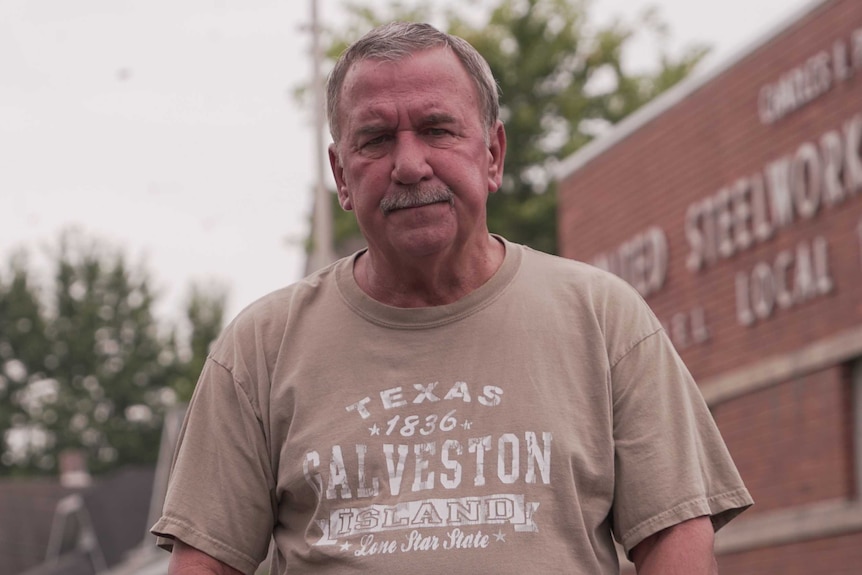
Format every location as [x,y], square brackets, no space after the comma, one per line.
[186,560]
[683,549]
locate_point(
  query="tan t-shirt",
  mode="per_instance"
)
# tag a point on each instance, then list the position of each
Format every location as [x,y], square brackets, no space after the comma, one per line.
[510,432]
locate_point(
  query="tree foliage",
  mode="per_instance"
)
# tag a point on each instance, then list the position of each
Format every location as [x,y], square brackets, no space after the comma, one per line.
[205,309]
[85,365]
[562,81]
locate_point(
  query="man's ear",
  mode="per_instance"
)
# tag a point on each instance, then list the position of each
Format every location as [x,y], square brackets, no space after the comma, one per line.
[338,174]
[497,156]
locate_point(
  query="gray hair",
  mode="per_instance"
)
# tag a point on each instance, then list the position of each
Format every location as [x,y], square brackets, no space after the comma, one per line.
[396,40]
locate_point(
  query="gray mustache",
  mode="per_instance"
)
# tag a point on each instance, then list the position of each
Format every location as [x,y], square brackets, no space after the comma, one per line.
[416,196]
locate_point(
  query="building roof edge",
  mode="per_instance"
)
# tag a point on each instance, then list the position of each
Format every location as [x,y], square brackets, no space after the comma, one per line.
[668,99]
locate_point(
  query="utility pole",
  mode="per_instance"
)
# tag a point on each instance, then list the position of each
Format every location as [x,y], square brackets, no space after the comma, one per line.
[322,252]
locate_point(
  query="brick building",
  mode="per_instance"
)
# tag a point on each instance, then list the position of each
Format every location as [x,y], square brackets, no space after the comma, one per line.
[734,204]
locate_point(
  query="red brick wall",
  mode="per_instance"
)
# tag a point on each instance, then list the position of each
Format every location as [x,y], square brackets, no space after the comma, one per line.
[792,441]
[833,556]
[707,142]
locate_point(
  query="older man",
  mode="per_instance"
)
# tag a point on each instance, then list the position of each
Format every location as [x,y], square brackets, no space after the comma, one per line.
[444,400]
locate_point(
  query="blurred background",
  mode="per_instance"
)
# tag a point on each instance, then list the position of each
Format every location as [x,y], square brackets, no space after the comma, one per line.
[171,130]
[162,166]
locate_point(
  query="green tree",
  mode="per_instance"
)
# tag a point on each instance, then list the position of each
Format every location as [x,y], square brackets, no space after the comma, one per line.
[84,364]
[205,309]
[22,347]
[562,80]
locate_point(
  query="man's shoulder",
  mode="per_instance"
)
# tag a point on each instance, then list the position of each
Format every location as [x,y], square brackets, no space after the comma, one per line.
[580,289]
[275,309]
[549,267]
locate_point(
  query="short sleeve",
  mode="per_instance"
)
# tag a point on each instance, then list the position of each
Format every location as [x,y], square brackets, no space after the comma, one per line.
[220,495]
[670,461]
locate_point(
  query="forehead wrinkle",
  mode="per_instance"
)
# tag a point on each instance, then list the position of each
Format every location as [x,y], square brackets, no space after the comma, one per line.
[368,122]
[436,118]
[371,128]
[377,122]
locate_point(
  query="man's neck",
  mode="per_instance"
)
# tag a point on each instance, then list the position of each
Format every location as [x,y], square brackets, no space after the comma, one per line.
[432,281]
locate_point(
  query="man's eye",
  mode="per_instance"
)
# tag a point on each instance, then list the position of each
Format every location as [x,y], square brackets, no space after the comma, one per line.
[375,141]
[437,132]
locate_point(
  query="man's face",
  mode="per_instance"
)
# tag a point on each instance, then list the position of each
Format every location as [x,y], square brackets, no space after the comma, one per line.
[414,161]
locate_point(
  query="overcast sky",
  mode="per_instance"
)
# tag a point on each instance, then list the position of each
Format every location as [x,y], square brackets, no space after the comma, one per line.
[167,127]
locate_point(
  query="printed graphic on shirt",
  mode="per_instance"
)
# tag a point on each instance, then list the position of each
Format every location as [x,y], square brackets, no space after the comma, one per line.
[422,463]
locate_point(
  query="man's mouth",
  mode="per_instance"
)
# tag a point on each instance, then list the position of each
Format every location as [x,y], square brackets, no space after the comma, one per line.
[416,197]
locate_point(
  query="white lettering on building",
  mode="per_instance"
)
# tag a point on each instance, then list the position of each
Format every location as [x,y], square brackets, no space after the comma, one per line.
[791,188]
[792,278]
[812,79]
[687,328]
[641,261]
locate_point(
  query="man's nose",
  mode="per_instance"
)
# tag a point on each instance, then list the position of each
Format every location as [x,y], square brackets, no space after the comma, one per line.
[410,159]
